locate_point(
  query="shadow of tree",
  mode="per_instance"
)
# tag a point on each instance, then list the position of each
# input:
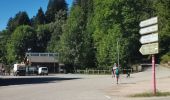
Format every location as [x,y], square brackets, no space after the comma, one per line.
[31,80]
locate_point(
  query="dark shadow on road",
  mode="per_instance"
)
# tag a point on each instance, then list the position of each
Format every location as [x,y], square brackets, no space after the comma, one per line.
[32,80]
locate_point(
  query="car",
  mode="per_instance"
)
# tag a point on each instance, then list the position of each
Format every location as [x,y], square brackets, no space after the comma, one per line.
[43,71]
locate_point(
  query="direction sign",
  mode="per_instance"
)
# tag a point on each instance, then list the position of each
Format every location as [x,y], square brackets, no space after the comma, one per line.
[149,38]
[147,49]
[149,29]
[149,22]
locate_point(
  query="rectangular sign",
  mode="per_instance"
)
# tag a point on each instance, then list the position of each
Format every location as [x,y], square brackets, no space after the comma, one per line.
[147,49]
[149,29]
[149,22]
[149,38]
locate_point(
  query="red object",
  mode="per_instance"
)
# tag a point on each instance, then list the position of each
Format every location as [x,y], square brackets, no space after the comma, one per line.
[153,75]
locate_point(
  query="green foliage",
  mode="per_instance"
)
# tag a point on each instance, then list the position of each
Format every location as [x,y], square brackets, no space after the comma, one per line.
[53,7]
[21,18]
[71,40]
[4,37]
[163,11]
[24,37]
[87,56]
[107,31]
[56,28]
[150,94]
[43,37]
[165,58]
[77,46]
[39,19]
[91,33]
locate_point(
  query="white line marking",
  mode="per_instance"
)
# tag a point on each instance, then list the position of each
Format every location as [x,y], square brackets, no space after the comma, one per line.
[108,97]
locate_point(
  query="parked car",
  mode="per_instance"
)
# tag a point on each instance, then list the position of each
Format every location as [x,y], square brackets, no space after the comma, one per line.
[43,71]
[19,69]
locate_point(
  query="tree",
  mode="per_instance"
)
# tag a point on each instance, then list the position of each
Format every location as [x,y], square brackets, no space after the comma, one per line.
[53,7]
[21,18]
[56,29]
[162,8]
[87,54]
[107,30]
[71,40]
[39,19]
[43,37]
[4,38]
[24,37]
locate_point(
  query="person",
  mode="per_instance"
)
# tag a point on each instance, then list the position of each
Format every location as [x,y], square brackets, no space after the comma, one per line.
[113,70]
[117,74]
[113,73]
[128,72]
[3,71]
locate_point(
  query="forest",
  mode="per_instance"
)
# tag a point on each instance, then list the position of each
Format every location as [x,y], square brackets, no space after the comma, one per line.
[87,35]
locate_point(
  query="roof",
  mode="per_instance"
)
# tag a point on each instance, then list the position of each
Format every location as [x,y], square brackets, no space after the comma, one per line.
[42,57]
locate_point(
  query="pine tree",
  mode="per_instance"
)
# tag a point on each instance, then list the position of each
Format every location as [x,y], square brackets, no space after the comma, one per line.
[21,18]
[53,7]
[39,19]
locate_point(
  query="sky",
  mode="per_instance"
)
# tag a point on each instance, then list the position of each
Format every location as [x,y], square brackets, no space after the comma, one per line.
[8,8]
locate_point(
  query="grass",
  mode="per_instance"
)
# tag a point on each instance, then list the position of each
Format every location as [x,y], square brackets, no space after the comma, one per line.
[150,94]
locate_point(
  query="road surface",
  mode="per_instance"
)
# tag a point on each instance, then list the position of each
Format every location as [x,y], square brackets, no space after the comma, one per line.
[82,87]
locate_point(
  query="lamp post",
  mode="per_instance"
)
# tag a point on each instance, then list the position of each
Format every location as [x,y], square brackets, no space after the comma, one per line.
[118,52]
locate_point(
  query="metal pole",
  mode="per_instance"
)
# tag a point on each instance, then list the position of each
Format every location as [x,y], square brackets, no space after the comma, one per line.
[118,52]
[153,75]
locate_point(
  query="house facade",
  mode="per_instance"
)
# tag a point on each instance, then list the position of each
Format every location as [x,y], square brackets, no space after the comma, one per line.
[50,60]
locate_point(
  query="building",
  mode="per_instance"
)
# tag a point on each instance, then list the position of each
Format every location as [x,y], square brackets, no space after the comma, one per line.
[50,60]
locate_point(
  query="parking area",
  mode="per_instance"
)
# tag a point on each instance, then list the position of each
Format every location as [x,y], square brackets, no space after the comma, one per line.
[81,87]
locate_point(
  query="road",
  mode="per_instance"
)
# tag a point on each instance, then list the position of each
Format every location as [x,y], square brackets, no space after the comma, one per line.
[81,87]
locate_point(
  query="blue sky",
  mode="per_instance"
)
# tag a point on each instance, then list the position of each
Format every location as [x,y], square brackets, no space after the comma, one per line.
[8,8]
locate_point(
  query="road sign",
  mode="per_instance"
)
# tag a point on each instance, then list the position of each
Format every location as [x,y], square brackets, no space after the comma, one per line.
[147,49]
[149,22]
[149,38]
[148,26]
[149,29]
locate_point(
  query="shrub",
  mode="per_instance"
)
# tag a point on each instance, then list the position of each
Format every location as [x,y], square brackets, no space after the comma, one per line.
[165,58]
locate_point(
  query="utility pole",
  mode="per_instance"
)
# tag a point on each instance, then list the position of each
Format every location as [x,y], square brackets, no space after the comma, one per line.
[118,52]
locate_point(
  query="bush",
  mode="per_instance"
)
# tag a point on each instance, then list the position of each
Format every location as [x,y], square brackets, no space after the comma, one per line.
[165,58]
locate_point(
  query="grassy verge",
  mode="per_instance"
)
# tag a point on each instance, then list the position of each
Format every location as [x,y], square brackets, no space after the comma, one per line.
[150,94]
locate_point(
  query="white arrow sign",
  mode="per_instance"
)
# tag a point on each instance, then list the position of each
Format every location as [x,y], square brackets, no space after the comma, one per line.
[149,38]
[149,29]
[148,22]
[147,49]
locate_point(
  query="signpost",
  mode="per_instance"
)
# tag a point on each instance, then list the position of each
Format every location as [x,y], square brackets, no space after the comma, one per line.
[148,49]
[149,38]
[148,30]
[149,22]
[150,45]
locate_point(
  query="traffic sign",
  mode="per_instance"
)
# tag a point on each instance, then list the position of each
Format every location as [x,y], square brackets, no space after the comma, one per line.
[147,49]
[149,29]
[149,22]
[149,38]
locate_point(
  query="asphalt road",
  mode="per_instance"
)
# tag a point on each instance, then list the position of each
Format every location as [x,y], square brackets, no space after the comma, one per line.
[79,87]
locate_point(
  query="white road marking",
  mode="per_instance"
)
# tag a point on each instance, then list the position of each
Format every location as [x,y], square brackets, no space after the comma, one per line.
[108,97]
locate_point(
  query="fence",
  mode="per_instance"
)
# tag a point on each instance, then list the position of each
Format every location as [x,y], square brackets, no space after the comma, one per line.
[93,71]
[124,71]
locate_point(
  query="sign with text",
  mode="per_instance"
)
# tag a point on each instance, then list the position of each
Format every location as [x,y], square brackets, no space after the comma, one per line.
[147,49]
[149,38]
[149,29]
[149,22]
